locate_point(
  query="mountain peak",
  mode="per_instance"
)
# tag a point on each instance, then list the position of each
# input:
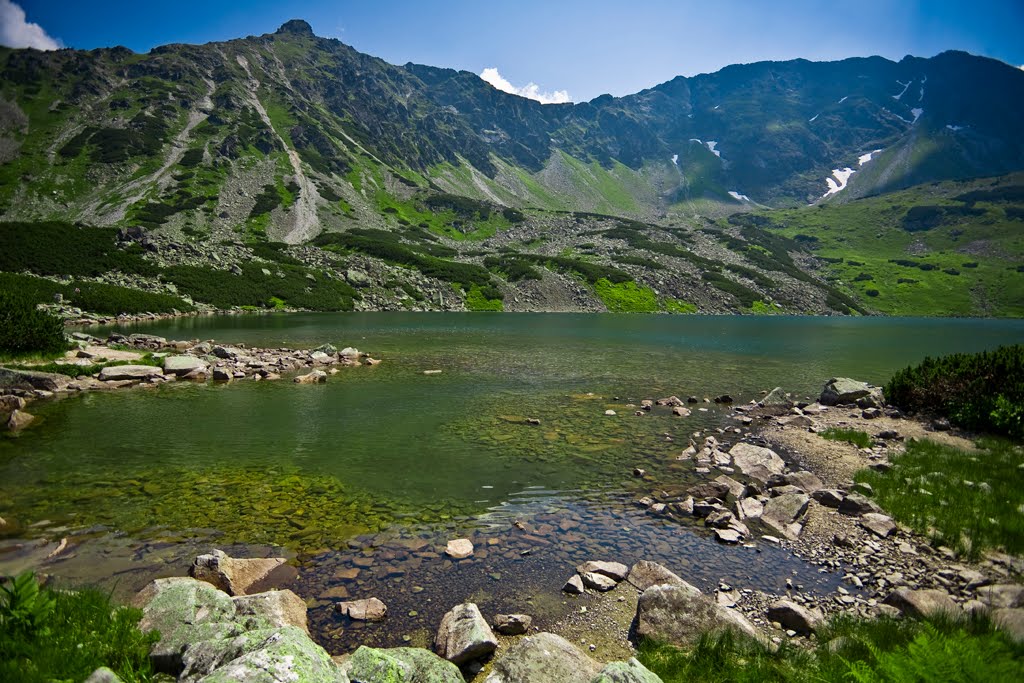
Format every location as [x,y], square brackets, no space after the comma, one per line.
[297,27]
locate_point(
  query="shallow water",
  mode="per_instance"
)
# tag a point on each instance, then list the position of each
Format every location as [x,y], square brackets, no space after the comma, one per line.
[384,455]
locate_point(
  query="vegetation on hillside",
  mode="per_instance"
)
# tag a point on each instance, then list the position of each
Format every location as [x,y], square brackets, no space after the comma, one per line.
[26,330]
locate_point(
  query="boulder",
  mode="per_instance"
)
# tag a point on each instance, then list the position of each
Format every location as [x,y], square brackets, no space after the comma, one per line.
[756,462]
[645,574]
[794,617]
[459,549]
[856,504]
[598,582]
[709,489]
[19,420]
[10,403]
[631,671]
[276,608]
[676,615]
[843,390]
[806,481]
[1010,620]
[921,603]
[231,575]
[29,379]
[182,365]
[613,570]
[749,508]
[728,536]
[103,675]
[408,664]
[574,585]
[543,658]
[783,511]
[464,635]
[370,609]
[680,411]
[776,398]
[735,488]
[512,624]
[222,375]
[266,656]
[1002,595]
[315,377]
[878,524]
[118,373]
[831,498]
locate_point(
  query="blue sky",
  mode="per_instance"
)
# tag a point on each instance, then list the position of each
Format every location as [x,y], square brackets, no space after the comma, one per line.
[583,48]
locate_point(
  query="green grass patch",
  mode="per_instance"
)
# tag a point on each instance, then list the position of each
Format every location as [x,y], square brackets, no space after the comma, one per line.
[626,297]
[484,299]
[856,437]
[980,391]
[969,501]
[48,635]
[679,306]
[882,650]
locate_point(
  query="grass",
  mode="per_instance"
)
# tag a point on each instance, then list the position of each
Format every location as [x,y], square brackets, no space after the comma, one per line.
[626,297]
[968,501]
[856,437]
[881,650]
[483,299]
[48,635]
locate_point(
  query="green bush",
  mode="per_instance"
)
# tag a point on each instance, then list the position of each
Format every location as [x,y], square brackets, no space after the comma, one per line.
[24,329]
[47,635]
[978,391]
[96,297]
[56,248]
[224,289]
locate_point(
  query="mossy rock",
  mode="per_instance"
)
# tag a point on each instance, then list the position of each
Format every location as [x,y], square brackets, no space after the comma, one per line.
[399,665]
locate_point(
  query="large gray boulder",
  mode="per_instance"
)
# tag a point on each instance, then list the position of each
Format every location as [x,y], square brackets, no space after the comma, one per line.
[645,574]
[631,671]
[543,658]
[1002,595]
[284,655]
[613,570]
[794,617]
[182,365]
[464,635]
[782,512]
[756,462]
[29,379]
[404,664]
[843,390]
[922,603]
[233,575]
[675,615]
[119,373]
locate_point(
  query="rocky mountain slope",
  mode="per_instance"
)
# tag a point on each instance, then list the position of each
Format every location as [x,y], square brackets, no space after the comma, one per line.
[411,179]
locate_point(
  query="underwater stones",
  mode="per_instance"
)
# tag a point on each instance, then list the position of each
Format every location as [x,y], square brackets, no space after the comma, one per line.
[512,624]
[315,377]
[370,609]
[459,549]
[231,575]
[118,373]
[464,635]
[19,420]
[543,658]
[412,664]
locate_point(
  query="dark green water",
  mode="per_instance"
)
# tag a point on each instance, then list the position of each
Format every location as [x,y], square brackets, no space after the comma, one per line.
[387,452]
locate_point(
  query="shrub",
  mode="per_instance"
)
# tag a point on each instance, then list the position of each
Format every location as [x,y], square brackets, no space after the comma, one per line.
[979,391]
[56,248]
[25,329]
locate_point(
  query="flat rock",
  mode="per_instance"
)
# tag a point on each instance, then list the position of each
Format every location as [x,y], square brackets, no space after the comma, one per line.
[370,609]
[794,617]
[786,508]
[675,615]
[598,582]
[464,635]
[399,664]
[749,508]
[806,481]
[543,658]
[232,575]
[727,536]
[878,524]
[512,624]
[756,462]
[645,574]
[182,365]
[921,603]
[856,504]
[30,379]
[831,498]
[315,377]
[459,549]
[118,373]
[613,570]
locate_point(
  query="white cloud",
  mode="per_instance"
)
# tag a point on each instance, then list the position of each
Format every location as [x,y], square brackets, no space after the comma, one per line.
[530,90]
[15,31]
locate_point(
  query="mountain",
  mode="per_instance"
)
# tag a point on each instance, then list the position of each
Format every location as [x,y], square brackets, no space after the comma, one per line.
[292,138]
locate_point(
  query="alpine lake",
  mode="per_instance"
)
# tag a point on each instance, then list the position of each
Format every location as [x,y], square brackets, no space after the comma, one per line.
[364,479]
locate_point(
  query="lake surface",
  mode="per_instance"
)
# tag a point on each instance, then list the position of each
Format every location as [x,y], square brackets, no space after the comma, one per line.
[376,469]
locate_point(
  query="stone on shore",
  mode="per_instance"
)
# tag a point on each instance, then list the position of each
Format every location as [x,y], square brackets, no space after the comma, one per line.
[118,373]
[631,671]
[856,504]
[921,603]
[574,586]
[464,635]
[411,664]
[18,420]
[370,609]
[756,462]
[315,377]
[232,575]
[843,391]
[182,365]
[512,624]
[807,482]
[831,498]
[878,524]
[1002,595]
[675,615]
[459,549]
[613,570]
[794,617]
[543,658]
[598,582]
[645,574]
[782,512]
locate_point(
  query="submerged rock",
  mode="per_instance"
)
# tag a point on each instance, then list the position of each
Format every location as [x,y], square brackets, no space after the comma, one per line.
[370,609]
[459,549]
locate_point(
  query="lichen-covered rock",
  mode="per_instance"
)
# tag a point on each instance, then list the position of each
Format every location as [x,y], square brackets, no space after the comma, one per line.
[675,615]
[631,671]
[399,664]
[276,608]
[543,658]
[284,655]
[464,635]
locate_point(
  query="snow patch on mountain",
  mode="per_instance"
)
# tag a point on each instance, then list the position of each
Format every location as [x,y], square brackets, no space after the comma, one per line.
[711,145]
[865,158]
[917,111]
[902,92]
[838,183]
[738,197]
[675,159]
[811,120]
[843,100]
[920,98]
[953,127]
